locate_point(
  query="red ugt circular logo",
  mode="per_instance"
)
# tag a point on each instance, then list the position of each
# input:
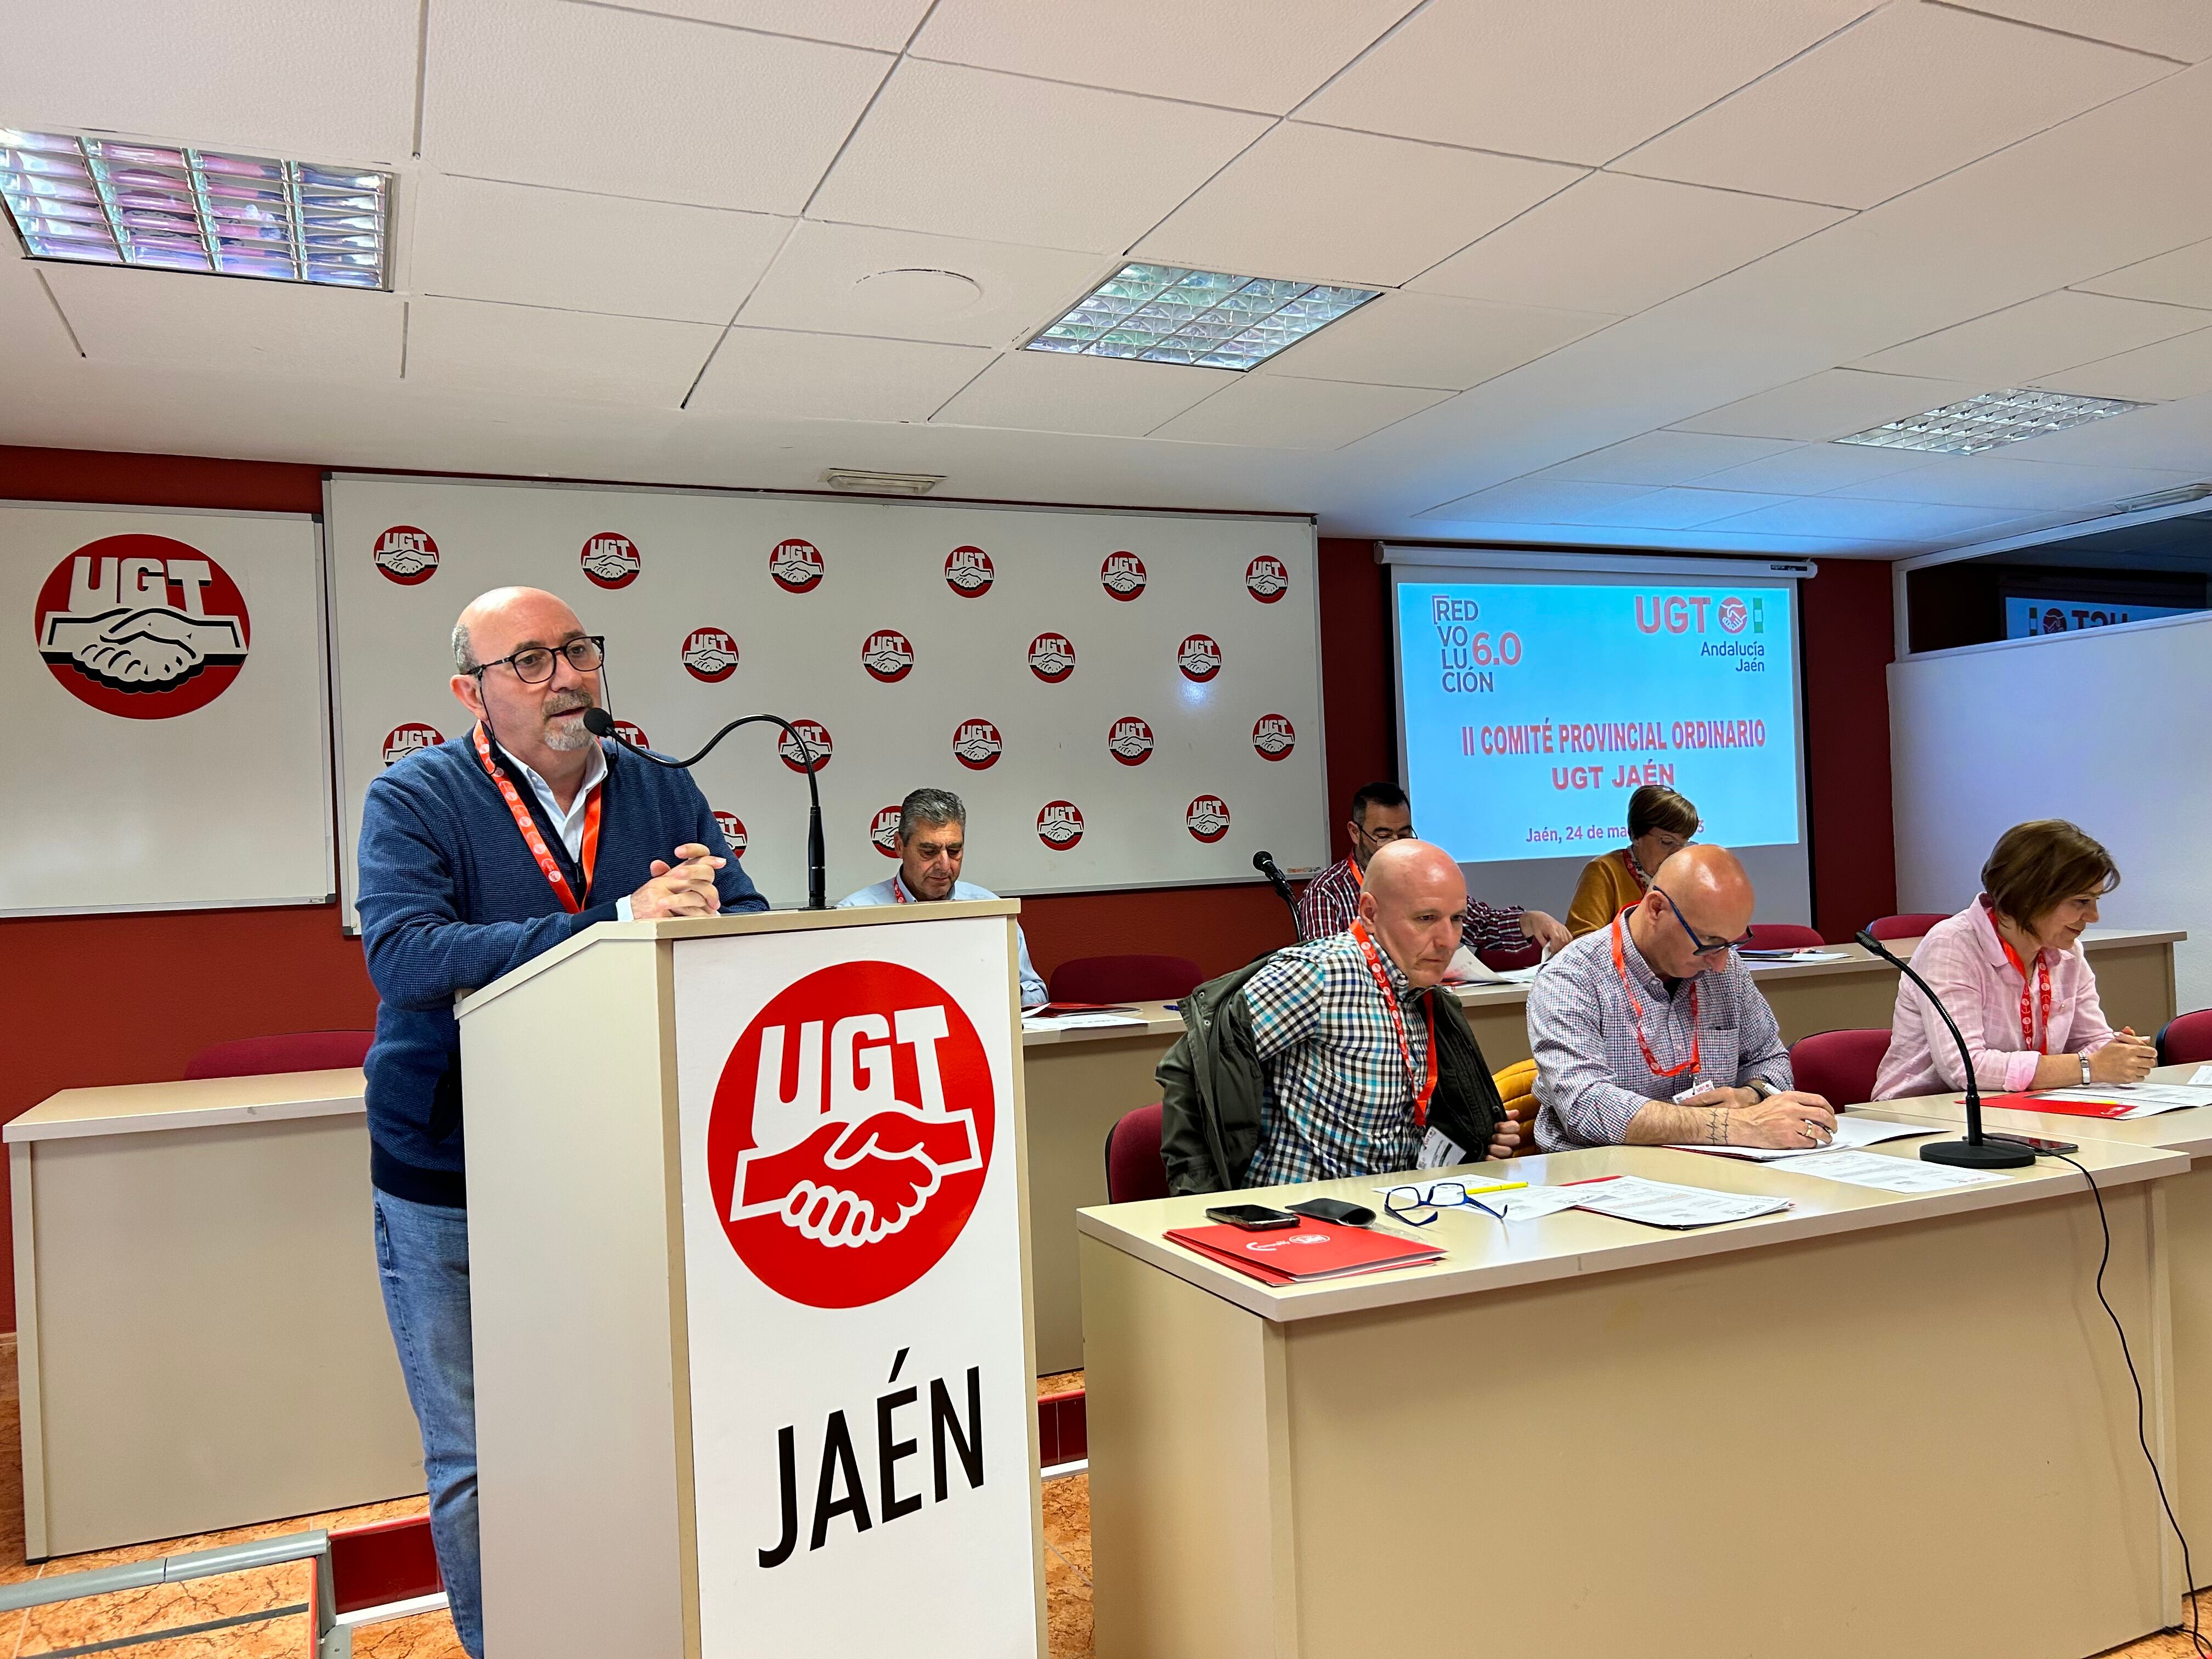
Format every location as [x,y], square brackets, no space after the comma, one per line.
[632,734]
[968,572]
[1122,576]
[1272,737]
[1267,579]
[1733,614]
[1199,657]
[888,655]
[710,654]
[405,555]
[1051,658]
[977,746]
[142,626]
[851,1134]
[1206,819]
[1059,824]
[883,831]
[401,741]
[796,565]
[1129,741]
[733,831]
[817,740]
[611,559]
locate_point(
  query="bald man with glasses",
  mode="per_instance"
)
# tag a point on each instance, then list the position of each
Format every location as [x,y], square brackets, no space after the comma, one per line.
[1649,1031]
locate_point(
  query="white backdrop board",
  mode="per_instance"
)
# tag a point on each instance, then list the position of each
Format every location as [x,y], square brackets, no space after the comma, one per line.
[2072,726]
[168,743]
[1032,638]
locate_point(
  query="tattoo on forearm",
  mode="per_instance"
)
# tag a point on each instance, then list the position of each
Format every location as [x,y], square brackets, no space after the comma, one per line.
[1716,1130]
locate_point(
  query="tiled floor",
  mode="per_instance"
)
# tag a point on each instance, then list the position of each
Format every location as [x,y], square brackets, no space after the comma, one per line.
[430,1635]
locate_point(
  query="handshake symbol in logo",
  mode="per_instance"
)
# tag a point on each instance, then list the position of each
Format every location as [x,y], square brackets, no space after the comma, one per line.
[146,650]
[853,1183]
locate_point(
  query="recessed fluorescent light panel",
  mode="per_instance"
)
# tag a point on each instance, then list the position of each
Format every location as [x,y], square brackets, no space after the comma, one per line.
[1166,314]
[117,202]
[1990,419]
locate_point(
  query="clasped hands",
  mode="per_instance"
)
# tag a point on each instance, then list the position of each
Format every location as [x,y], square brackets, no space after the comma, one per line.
[685,888]
[1791,1120]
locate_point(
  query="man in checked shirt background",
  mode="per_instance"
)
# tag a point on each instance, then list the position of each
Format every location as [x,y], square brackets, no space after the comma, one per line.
[1381,814]
[1649,1031]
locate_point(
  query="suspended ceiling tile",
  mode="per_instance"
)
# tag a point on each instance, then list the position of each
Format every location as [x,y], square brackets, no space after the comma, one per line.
[1831,515]
[1620,243]
[526,352]
[2156,374]
[2173,29]
[765,372]
[967,152]
[884,24]
[475,239]
[228,324]
[1246,54]
[2183,277]
[1685,508]
[1422,339]
[248,74]
[592,97]
[1347,207]
[1573,79]
[32,333]
[1531,501]
[1664,458]
[2015,345]
[1047,391]
[852,279]
[1273,411]
[1814,469]
[2006,478]
[1832,404]
[1908,95]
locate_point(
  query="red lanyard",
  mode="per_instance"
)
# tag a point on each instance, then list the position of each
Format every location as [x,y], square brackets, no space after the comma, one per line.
[1427,1087]
[1635,869]
[535,841]
[898,892]
[2043,986]
[1620,967]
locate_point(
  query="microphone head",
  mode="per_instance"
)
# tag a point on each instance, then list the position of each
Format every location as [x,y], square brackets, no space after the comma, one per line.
[1262,859]
[598,722]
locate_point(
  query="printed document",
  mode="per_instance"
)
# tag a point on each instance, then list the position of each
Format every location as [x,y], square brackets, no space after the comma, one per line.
[1663,1204]
[1891,1174]
[1852,1133]
[2142,1099]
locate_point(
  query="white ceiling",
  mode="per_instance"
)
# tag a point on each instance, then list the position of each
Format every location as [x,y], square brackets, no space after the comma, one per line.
[1648,259]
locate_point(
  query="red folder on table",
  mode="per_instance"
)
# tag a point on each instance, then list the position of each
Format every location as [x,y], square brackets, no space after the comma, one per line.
[1311,1250]
[2064,1108]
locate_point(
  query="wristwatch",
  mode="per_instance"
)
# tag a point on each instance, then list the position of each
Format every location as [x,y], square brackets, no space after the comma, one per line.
[1762,1088]
[2085,1071]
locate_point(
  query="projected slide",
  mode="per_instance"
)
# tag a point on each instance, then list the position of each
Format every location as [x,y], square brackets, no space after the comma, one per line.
[1532,712]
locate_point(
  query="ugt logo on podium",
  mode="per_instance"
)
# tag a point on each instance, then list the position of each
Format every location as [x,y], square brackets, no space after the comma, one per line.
[850,1134]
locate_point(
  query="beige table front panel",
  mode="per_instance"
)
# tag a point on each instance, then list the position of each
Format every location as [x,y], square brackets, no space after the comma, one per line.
[1827,1448]
[207,1334]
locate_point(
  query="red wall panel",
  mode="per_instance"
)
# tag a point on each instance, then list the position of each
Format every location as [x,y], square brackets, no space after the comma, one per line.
[1847,645]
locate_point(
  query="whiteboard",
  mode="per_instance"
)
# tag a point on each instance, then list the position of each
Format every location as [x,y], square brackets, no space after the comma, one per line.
[2066,726]
[169,741]
[1032,638]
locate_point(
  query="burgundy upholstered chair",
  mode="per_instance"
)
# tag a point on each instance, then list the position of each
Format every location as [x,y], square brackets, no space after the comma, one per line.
[1839,1066]
[1123,979]
[1133,1168]
[299,1051]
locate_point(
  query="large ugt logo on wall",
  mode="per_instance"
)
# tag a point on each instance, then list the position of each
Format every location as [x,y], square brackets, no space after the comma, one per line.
[142,626]
[851,1133]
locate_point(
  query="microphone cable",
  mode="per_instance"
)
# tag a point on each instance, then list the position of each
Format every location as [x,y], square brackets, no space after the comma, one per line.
[2198,1642]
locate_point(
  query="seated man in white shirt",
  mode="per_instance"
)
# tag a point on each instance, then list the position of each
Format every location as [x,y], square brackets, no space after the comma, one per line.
[933,836]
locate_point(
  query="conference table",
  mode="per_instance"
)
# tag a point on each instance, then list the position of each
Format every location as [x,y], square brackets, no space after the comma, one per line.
[1875,1423]
[2186,1202]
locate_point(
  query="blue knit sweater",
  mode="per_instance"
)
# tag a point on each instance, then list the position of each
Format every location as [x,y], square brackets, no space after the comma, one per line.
[450,899]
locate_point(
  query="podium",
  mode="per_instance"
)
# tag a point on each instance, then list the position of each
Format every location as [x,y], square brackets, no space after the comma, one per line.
[753,1372]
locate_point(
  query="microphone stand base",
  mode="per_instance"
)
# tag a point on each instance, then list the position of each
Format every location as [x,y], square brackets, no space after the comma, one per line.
[1967,1155]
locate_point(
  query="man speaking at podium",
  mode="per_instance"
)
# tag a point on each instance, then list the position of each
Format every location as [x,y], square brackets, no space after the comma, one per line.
[476,855]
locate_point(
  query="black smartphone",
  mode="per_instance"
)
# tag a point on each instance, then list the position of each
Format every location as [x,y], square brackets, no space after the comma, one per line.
[1252,1217]
[1336,1209]
[2037,1142]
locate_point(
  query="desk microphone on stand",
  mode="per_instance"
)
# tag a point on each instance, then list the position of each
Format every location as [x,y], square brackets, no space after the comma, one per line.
[601,724]
[1973,1152]
[1264,862]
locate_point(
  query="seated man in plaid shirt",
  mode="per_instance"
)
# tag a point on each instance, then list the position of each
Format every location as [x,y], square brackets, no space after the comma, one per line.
[1346,1033]
[1650,1032]
[1380,814]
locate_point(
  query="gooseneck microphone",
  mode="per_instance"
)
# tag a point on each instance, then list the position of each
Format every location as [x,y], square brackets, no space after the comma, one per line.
[1264,862]
[601,724]
[1973,1152]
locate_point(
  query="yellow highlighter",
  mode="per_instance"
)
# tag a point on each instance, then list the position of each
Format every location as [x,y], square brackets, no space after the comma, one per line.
[1496,1186]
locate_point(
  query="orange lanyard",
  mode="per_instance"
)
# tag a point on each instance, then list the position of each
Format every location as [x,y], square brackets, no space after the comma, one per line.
[2043,985]
[1635,869]
[535,841]
[1427,1086]
[1620,967]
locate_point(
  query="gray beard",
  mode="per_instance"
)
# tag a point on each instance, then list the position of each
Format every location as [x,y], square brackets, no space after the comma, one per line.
[566,739]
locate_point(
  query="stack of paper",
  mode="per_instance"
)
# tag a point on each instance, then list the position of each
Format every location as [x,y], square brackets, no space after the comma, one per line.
[1663,1204]
[1807,954]
[1076,1022]
[1890,1174]
[1852,1133]
[2117,1101]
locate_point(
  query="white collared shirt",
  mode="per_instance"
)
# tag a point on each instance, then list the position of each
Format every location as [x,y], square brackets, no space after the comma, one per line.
[570,825]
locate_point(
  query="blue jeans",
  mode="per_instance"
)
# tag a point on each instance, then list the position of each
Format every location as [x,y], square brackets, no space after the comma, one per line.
[423,1260]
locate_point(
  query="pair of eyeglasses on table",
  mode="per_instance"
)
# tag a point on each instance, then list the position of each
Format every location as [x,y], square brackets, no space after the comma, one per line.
[1436,1198]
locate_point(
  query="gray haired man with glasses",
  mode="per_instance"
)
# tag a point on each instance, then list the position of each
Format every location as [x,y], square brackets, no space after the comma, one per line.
[1649,1031]
[476,855]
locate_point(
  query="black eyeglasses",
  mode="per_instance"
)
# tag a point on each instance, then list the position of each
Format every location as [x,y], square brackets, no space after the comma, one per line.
[533,664]
[1438,1196]
[1699,946]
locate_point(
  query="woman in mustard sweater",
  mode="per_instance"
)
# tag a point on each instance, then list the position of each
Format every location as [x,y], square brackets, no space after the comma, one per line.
[1661,823]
